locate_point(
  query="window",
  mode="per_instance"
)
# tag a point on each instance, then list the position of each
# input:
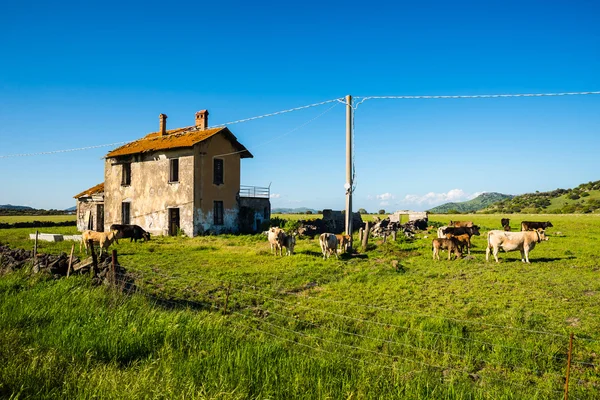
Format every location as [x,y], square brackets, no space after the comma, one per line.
[174,170]
[125,213]
[218,212]
[126,177]
[218,171]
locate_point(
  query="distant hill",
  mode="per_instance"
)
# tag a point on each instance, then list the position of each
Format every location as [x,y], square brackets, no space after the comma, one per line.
[300,210]
[585,198]
[480,202]
[11,207]
[74,208]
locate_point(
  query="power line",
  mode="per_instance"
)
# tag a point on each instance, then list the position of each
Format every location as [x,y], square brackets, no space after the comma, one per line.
[474,96]
[179,133]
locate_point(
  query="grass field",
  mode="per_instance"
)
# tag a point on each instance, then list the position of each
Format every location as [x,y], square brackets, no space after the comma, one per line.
[302,327]
[11,219]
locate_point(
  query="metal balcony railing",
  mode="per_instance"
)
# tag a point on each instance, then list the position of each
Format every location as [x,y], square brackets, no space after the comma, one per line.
[254,191]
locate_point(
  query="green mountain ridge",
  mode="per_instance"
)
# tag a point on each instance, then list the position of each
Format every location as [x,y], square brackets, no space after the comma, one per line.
[480,202]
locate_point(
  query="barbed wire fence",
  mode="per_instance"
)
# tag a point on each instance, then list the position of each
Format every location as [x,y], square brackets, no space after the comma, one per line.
[495,358]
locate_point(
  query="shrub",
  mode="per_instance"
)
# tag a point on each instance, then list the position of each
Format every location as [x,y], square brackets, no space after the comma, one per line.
[382,211]
[362,211]
[585,194]
[574,196]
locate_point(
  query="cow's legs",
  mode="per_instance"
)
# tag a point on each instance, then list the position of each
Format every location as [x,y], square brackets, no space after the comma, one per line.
[487,254]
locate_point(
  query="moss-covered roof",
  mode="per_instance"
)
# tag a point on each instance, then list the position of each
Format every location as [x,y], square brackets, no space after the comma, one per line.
[176,138]
[99,188]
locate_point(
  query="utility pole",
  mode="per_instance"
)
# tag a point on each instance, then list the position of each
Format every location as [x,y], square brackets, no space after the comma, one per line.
[348,185]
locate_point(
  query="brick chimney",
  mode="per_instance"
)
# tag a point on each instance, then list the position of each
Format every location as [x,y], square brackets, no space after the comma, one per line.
[202,120]
[162,118]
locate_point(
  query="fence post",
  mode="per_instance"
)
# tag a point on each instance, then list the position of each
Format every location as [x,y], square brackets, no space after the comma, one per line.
[568,366]
[70,260]
[227,298]
[94,259]
[365,238]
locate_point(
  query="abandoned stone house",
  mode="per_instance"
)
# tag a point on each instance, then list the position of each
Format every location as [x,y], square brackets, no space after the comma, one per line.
[184,180]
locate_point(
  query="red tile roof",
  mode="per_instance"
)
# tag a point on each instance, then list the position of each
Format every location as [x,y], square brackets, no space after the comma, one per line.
[99,188]
[176,138]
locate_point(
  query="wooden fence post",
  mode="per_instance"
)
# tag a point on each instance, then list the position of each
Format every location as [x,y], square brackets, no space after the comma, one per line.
[70,260]
[394,235]
[365,238]
[568,366]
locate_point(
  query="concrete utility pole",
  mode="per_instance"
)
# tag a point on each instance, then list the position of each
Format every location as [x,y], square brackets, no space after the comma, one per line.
[348,185]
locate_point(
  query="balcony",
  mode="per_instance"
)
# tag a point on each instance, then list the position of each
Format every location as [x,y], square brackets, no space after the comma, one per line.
[254,192]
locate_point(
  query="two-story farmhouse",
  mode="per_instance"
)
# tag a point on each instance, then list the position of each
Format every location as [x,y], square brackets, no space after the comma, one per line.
[181,180]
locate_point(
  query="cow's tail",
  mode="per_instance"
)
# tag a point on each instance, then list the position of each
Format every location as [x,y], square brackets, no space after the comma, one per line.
[490,233]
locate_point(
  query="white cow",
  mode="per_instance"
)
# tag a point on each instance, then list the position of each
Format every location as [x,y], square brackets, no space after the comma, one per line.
[276,237]
[511,241]
[329,244]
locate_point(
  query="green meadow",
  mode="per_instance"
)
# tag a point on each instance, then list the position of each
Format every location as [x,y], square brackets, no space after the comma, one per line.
[220,317]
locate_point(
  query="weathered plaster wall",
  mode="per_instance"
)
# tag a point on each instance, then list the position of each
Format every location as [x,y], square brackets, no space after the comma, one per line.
[206,192]
[150,192]
[84,205]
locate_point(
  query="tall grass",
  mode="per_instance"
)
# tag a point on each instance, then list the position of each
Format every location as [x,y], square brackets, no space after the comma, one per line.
[301,327]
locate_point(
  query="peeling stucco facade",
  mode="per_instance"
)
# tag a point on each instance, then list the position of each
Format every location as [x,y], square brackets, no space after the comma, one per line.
[153,198]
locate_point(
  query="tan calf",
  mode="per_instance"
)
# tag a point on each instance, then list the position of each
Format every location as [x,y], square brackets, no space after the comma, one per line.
[451,244]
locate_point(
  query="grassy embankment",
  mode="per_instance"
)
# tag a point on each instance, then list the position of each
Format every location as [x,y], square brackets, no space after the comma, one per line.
[11,219]
[301,327]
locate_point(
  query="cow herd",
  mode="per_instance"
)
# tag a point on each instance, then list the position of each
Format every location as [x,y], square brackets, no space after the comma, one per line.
[455,238]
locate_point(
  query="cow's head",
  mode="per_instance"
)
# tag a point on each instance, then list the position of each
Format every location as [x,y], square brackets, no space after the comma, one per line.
[113,235]
[146,236]
[542,235]
[549,224]
[475,230]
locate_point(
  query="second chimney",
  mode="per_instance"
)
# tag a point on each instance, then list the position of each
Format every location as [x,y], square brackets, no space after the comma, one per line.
[202,120]
[162,118]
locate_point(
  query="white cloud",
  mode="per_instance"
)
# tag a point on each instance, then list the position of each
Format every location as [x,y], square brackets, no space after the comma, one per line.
[432,198]
[275,195]
[384,203]
[385,196]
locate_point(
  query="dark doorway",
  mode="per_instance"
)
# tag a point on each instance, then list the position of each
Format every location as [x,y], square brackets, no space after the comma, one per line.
[100,217]
[173,221]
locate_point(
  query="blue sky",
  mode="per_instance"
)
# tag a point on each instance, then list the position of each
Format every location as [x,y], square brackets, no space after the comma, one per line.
[80,74]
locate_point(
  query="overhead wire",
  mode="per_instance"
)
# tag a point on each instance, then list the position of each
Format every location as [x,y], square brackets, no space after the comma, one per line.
[173,134]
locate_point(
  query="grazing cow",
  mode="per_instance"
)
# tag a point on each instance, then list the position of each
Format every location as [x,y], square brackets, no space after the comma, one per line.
[343,242]
[104,239]
[329,244]
[440,232]
[523,241]
[531,225]
[133,232]
[450,244]
[461,231]
[505,224]
[461,224]
[276,237]
[289,242]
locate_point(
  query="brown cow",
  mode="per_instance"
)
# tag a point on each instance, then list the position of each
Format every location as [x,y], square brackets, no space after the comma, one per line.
[459,224]
[461,231]
[450,244]
[343,242]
